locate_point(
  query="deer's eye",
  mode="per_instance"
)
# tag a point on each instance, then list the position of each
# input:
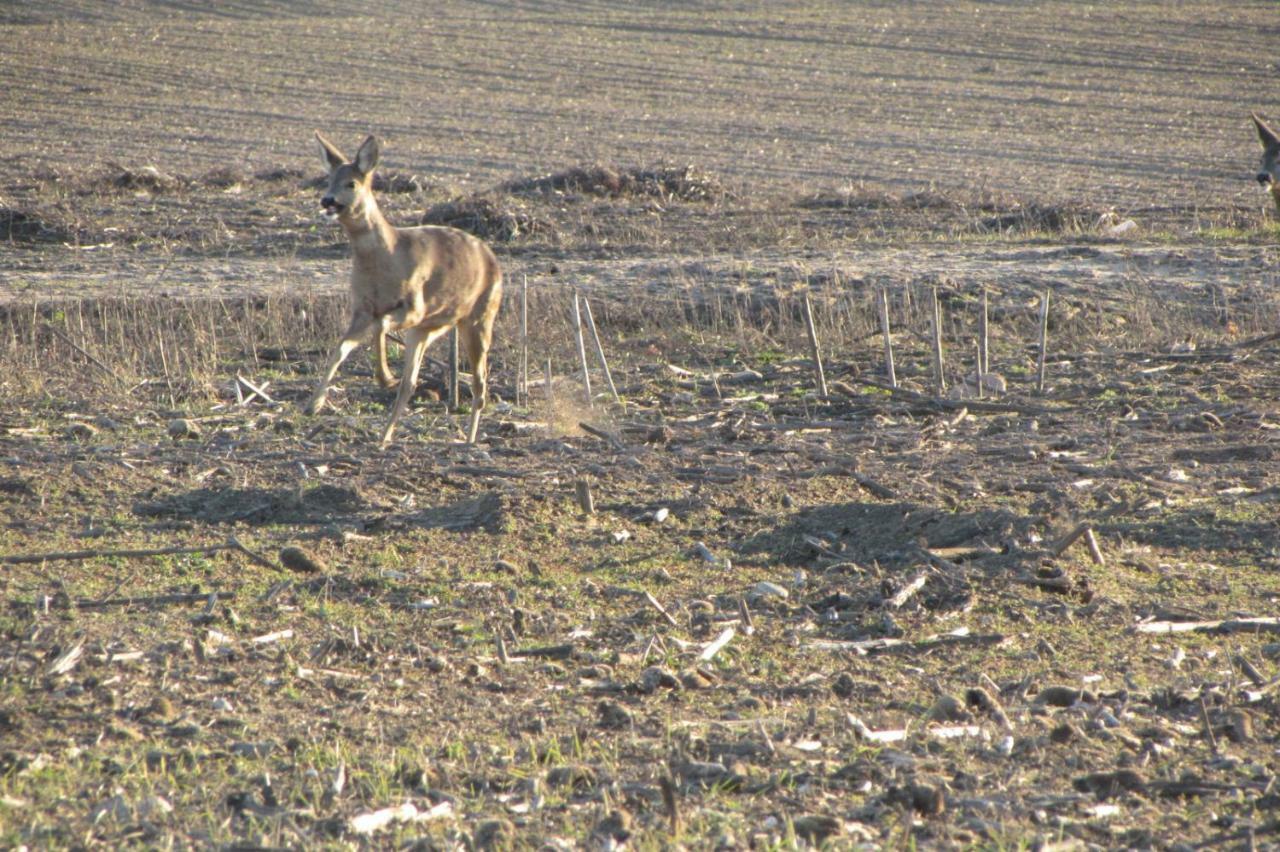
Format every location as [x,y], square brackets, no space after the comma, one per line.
[351,184]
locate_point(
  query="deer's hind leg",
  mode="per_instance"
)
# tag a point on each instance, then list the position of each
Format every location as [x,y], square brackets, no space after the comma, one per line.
[361,324]
[477,336]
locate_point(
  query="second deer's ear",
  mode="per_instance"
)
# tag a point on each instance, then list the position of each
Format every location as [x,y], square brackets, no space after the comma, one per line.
[1265,134]
[332,156]
[367,156]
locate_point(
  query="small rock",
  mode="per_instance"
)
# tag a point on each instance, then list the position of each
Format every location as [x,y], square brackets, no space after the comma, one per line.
[152,807]
[1238,726]
[694,679]
[1107,784]
[702,772]
[222,705]
[180,428]
[161,708]
[613,715]
[615,826]
[816,828]
[297,559]
[948,709]
[656,677]
[661,515]
[252,750]
[765,590]
[844,685]
[114,808]
[1065,733]
[620,536]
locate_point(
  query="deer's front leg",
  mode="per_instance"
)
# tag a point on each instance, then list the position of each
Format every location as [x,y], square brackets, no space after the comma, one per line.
[361,323]
[416,342]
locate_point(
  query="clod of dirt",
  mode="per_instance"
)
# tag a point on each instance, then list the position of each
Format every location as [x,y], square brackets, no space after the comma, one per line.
[147,178]
[615,826]
[1063,696]
[656,677]
[321,504]
[1107,784]
[495,834]
[922,798]
[816,828]
[948,709]
[81,431]
[613,716]
[296,559]
[180,428]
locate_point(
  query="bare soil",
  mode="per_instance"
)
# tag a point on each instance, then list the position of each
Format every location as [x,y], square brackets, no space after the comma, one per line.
[792,619]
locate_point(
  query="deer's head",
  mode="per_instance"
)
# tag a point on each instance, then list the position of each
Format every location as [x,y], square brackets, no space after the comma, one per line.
[1269,170]
[350,187]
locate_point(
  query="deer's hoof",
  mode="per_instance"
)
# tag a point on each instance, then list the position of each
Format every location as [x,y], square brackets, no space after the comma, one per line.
[314,406]
[388,381]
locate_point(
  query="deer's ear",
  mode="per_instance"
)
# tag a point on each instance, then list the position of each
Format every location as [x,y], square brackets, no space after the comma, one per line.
[332,156]
[1265,134]
[367,156]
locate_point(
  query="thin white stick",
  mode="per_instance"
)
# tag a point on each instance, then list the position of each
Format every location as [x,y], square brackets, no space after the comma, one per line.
[595,339]
[984,340]
[1044,341]
[888,339]
[522,384]
[582,346]
[813,345]
[939,380]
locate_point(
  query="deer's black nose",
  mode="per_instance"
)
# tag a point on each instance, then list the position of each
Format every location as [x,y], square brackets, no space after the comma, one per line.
[1264,178]
[328,201]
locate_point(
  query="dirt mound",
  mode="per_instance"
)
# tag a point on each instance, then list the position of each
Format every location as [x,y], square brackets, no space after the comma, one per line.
[489,217]
[321,504]
[983,214]
[681,183]
[19,226]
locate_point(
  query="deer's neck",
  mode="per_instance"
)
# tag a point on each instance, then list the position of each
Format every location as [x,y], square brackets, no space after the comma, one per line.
[369,230]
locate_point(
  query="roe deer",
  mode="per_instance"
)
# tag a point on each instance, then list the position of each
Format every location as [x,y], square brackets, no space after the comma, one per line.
[422,281]
[1269,171]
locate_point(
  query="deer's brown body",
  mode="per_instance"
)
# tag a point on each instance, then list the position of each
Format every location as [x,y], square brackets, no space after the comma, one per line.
[421,281]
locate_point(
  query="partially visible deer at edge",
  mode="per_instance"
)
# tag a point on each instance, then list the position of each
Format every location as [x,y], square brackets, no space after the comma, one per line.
[1269,170]
[421,281]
